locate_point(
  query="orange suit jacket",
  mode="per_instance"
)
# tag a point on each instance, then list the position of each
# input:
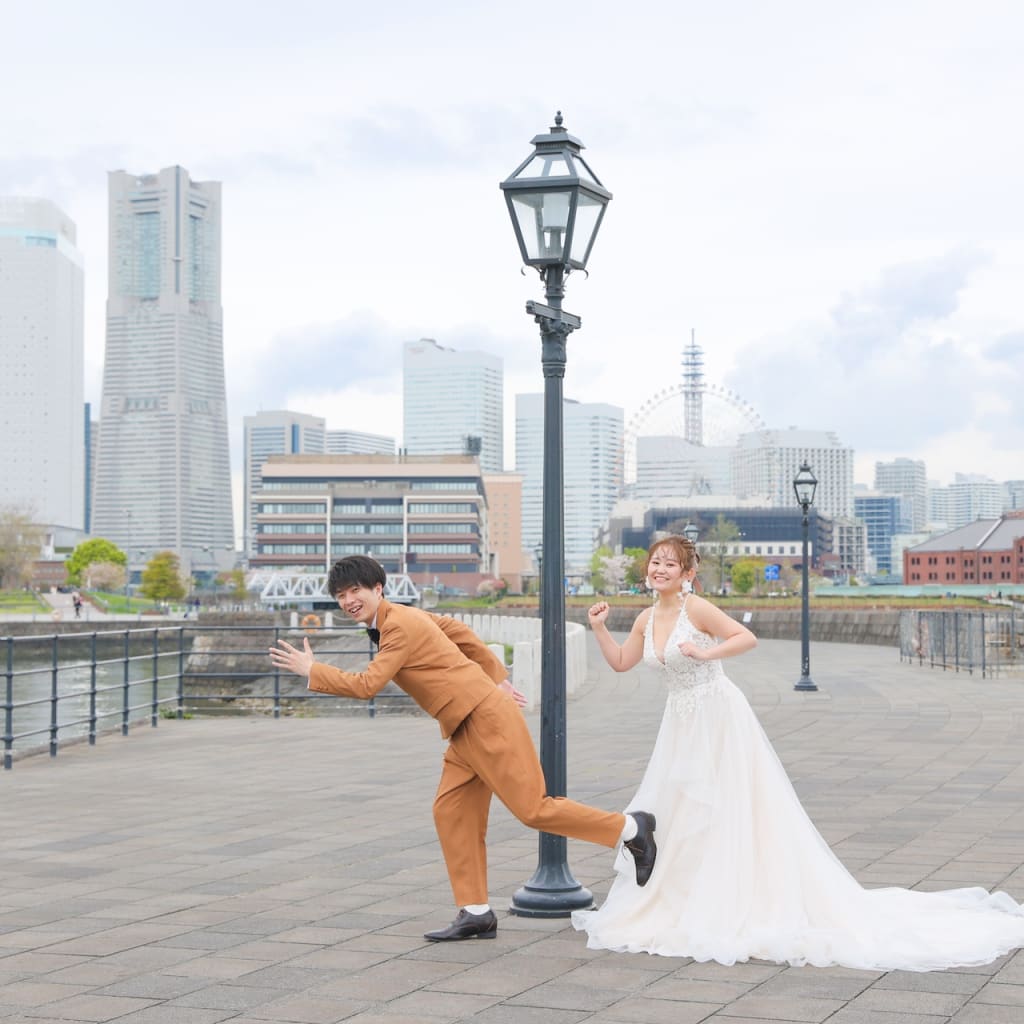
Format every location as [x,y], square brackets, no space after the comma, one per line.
[441,663]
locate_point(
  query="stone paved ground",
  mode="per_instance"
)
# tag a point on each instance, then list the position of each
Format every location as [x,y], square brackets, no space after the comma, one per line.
[254,870]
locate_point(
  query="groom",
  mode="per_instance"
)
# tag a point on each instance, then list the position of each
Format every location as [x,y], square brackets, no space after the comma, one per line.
[456,679]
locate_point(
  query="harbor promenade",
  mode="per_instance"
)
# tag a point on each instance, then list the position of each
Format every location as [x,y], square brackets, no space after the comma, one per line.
[253,870]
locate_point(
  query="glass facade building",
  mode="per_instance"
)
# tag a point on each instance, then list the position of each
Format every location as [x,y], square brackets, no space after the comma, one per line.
[452,403]
[163,479]
[42,433]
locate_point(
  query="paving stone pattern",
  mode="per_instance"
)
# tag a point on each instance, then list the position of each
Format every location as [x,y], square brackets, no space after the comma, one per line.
[251,870]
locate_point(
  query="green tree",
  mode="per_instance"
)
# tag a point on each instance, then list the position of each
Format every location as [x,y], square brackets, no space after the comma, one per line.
[716,543]
[21,541]
[161,579]
[596,566]
[743,576]
[89,551]
[237,580]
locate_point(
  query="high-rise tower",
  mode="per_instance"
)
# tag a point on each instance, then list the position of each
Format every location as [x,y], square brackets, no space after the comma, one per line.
[42,447]
[162,470]
[452,403]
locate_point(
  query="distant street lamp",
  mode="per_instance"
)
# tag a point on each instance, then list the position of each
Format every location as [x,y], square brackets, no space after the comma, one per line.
[804,486]
[691,532]
[556,203]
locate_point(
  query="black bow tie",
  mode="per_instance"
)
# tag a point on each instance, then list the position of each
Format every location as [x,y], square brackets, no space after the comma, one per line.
[374,635]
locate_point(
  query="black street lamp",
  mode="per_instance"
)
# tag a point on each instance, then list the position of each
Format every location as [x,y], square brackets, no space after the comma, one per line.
[556,203]
[691,532]
[804,486]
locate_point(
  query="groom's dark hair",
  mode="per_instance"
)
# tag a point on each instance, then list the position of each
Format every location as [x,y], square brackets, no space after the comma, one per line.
[355,571]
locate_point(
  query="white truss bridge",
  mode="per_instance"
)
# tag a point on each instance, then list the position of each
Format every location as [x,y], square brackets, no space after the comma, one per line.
[295,587]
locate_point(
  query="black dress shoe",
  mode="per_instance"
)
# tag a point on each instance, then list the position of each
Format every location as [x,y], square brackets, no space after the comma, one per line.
[642,845]
[467,926]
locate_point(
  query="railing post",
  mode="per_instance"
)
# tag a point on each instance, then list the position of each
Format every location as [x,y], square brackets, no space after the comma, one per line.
[277,677]
[127,682]
[156,676]
[956,638]
[9,707]
[181,672]
[984,645]
[54,694]
[92,690]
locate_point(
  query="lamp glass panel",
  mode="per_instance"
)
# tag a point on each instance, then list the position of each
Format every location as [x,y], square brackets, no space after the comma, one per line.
[584,171]
[547,165]
[527,212]
[588,213]
[543,218]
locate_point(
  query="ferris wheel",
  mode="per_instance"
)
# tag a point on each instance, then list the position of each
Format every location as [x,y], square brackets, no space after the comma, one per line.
[693,411]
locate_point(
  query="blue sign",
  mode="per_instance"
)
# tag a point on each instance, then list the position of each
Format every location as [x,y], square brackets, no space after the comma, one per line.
[771,572]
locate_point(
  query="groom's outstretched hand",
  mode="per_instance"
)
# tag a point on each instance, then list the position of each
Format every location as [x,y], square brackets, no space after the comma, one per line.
[291,659]
[507,687]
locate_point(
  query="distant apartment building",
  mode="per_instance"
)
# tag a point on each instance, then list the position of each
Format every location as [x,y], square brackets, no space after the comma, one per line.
[1013,495]
[163,475]
[357,442]
[986,551]
[452,403]
[848,553]
[592,467]
[505,527]
[276,432]
[909,478]
[884,516]
[42,439]
[422,515]
[970,497]
[766,462]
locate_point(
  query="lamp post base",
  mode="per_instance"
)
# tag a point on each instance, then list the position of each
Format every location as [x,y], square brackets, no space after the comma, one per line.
[552,892]
[806,683]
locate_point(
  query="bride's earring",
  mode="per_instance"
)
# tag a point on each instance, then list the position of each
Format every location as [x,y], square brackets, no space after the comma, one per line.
[686,587]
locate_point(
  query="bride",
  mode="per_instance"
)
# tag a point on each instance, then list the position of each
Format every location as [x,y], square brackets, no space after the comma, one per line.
[741,870]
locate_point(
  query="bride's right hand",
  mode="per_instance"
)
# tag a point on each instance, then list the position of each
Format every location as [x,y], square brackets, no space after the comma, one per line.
[598,612]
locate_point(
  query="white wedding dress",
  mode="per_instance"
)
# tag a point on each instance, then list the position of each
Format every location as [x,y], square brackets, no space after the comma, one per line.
[741,870]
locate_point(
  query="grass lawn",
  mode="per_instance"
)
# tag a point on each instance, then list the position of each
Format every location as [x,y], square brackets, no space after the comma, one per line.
[21,602]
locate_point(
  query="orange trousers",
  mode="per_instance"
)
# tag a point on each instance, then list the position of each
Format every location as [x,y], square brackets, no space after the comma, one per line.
[492,752]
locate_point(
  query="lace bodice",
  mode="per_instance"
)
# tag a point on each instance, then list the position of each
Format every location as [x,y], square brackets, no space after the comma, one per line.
[688,680]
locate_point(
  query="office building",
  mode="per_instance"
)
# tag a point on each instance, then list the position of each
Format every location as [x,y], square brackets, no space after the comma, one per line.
[668,466]
[766,462]
[357,442]
[505,527]
[452,403]
[909,478]
[421,515]
[884,516]
[592,468]
[277,432]
[163,478]
[42,440]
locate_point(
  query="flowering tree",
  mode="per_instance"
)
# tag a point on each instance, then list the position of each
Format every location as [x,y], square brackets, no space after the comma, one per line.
[614,570]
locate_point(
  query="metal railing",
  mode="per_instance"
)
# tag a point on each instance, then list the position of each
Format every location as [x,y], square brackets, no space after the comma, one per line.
[70,687]
[988,642]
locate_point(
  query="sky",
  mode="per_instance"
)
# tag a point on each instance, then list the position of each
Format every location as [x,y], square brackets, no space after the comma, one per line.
[830,195]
